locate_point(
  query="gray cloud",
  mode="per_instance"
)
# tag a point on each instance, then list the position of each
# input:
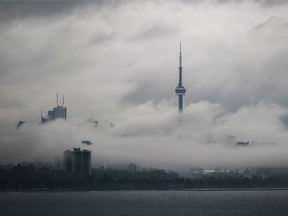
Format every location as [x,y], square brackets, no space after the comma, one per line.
[157,30]
[100,37]
[262,25]
[284,119]
[19,10]
[271,2]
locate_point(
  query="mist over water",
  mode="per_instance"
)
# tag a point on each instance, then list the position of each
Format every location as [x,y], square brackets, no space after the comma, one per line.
[120,60]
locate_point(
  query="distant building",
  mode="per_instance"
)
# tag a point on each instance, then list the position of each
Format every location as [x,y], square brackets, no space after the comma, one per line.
[200,171]
[192,171]
[58,112]
[20,123]
[94,122]
[242,143]
[58,163]
[247,171]
[86,142]
[6,166]
[20,172]
[77,162]
[115,166]
[38,165]
[269,170]
[132,168]
[219,169]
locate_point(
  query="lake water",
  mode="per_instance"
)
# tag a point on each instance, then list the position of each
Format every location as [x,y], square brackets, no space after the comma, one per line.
[246,202]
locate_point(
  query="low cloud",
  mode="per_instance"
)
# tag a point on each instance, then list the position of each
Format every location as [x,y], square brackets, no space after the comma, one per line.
[157,134]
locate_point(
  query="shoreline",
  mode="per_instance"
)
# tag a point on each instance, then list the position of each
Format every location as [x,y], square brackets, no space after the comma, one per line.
[40,190]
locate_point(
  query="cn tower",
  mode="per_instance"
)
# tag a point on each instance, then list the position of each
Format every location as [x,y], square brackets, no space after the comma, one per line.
[180,90]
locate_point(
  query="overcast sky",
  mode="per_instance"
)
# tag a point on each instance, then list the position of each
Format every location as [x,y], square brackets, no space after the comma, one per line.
[119,59]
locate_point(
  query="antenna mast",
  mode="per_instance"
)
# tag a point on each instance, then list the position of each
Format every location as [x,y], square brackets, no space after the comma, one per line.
[180,59]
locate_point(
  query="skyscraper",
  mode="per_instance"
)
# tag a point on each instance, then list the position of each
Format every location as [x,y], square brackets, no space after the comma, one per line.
[77,162]
[58,112]
[180,90]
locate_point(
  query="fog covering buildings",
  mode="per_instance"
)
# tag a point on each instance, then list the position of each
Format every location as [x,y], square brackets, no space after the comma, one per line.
[107,58]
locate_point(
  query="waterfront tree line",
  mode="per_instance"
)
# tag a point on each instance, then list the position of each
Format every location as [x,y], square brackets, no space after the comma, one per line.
[110,179]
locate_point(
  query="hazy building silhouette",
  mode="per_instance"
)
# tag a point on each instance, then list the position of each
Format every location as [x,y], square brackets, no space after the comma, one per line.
[180,90]
[269,170]
[94,122]
[23,172]
[58,163]
[20,123]
[115,166]
[87,142]
[192,171]
[38,164]
[242,143]
[132,168]
[77,162]
[247,171]
[6,166]
[58,112]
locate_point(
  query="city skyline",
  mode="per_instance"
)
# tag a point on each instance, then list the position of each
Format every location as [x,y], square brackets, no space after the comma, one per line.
[119,60]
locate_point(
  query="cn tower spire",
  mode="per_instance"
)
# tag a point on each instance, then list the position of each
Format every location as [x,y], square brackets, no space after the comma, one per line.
[180,90]
[180,58]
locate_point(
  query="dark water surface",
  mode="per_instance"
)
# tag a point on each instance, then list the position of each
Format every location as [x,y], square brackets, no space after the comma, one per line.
[249,202]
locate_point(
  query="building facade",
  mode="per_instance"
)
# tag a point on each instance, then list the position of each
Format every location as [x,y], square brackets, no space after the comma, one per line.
[77,162]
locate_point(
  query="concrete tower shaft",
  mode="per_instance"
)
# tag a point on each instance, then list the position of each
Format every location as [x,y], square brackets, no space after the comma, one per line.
[180,89]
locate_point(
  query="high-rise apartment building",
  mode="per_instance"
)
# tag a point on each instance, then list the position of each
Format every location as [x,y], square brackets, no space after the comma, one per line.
[77,162]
